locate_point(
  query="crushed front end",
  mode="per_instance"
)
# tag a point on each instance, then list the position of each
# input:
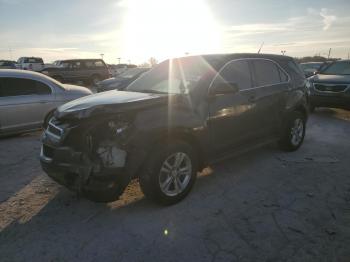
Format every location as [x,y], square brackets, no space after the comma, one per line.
[89,156]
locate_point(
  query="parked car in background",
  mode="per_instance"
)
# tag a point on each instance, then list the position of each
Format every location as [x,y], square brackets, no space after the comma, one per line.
[26,97]
[89,71]
[7,64]
[121,81]
[311,68]
[172,122]
[120,68]
[31,63]
[331,86]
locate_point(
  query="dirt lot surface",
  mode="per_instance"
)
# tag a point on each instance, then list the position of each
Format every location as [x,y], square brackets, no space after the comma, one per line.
[266,205]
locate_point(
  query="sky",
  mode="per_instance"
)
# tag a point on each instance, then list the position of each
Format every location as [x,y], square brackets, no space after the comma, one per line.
[135,30]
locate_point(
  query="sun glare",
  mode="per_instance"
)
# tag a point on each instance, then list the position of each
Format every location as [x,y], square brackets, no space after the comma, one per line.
[168,28]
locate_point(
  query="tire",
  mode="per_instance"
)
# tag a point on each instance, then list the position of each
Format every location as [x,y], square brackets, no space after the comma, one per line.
[294,132]
[176,184]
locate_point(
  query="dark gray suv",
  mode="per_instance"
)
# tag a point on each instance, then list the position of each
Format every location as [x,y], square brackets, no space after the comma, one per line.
[89,71]
[172,122]
[331,86]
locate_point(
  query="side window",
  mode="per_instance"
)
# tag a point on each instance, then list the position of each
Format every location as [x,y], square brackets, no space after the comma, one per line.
[283,76]
[89,64]
[99,64]
[236,72]
[266,73]
[20,87]
[42,89]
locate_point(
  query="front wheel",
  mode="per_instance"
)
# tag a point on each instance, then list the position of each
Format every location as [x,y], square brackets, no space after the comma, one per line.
[170,174]
[294,132]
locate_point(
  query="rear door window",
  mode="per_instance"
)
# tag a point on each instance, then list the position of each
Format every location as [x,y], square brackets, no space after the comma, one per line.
[21,86]
[266,73]
[236,72]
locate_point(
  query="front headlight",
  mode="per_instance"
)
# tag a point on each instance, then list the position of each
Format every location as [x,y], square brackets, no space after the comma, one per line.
[308,85]
[118,127]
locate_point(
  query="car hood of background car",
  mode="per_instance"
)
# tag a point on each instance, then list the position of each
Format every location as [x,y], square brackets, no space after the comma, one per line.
[331,79]
[108,102]
[76,90]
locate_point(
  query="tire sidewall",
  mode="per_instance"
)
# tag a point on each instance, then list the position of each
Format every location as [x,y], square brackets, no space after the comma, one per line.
[150,181]
[287,139]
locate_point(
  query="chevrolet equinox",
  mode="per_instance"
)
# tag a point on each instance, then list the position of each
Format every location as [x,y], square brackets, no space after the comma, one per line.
[172,122]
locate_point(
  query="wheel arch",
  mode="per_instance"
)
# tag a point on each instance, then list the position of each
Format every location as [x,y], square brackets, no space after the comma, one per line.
[182,135]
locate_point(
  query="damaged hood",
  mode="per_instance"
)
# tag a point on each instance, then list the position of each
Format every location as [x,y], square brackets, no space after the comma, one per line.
[108,102]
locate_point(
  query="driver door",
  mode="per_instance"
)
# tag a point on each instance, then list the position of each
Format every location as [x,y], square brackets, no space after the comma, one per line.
[232,116]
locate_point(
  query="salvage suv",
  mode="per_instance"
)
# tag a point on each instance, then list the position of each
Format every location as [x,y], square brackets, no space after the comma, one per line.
[172,122]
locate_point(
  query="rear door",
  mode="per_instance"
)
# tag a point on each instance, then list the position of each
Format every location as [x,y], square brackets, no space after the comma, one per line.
[271,84]
[232,117]
[23,103]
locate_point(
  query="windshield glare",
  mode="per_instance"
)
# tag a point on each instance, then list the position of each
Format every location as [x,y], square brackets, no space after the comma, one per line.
[175,76]
[337,68]
[131,72]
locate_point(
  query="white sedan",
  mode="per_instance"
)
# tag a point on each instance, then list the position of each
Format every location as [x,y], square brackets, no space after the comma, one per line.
[26,97]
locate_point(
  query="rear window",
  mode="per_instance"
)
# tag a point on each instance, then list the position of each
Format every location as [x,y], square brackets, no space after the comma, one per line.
[21,86]
[267,73]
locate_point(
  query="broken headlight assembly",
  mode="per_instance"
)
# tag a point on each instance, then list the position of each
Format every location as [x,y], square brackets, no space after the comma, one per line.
[117,127]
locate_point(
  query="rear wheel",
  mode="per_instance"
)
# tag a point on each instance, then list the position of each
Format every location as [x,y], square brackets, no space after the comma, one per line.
[294,132]
[171,174]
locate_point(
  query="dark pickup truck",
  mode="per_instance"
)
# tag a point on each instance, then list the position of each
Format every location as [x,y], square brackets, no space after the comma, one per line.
[89,71]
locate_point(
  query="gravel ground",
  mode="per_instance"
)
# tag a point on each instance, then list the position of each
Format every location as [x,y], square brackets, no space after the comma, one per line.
[266,205]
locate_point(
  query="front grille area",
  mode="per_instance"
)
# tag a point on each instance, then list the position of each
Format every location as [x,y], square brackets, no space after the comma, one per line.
[48,151]
[54,130]
[330,87]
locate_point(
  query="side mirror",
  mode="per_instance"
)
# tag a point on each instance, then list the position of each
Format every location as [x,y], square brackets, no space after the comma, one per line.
[222,88]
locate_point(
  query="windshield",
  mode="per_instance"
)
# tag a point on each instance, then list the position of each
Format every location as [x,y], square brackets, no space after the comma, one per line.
[337,68]
[175,76]
[130,73]
[310,66]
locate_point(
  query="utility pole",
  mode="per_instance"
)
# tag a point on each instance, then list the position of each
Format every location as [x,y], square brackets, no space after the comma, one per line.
[102,56]
[119,59]
[329,53]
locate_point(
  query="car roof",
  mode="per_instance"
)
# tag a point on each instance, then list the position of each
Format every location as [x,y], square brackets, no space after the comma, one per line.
[18,73]
[84,59]
[231,56]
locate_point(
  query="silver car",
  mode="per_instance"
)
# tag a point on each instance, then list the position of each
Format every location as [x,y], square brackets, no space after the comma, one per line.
[26,97]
